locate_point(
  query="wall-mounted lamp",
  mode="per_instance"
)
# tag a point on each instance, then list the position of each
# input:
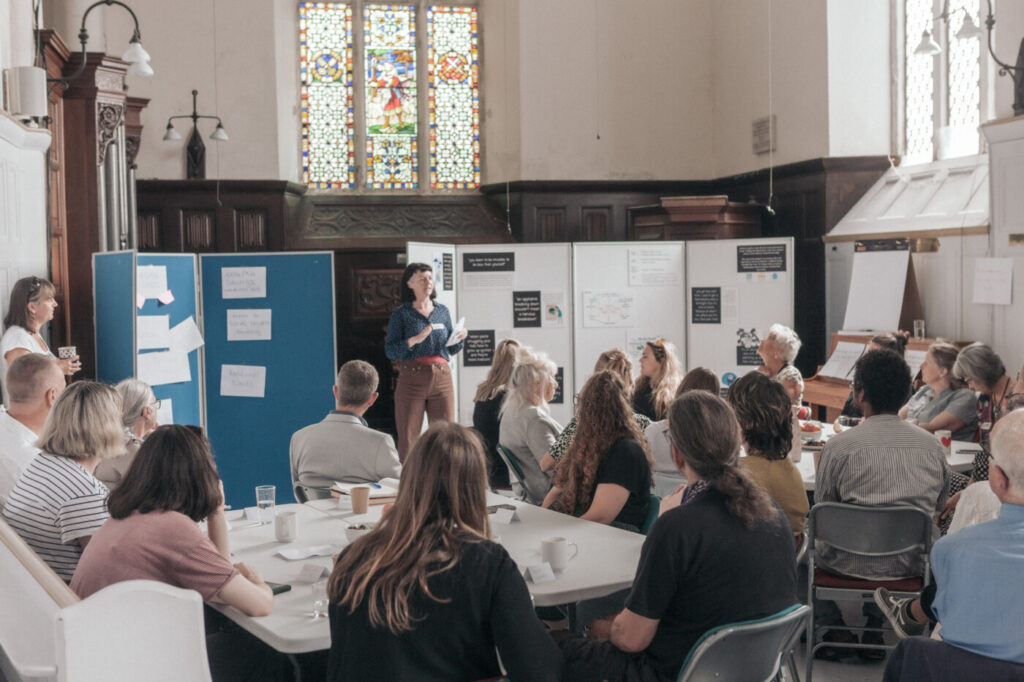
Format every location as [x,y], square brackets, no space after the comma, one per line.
[969,29]
[195,152]
[134,55]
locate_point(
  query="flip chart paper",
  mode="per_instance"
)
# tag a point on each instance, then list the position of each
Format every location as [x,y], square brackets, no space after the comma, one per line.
[153,331]
[150,280]
[249,325]
[243,381]
[163,367]
[243,282]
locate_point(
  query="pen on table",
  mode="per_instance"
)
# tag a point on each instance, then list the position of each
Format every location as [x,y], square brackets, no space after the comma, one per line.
[378,486]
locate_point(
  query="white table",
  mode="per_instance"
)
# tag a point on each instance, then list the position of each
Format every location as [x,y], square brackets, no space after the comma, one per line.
[606,563]
[961,459]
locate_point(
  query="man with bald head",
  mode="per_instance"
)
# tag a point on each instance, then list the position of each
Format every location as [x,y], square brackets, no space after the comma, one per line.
[33,382]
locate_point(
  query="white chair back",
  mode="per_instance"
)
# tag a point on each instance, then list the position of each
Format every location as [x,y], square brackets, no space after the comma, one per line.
[135,630]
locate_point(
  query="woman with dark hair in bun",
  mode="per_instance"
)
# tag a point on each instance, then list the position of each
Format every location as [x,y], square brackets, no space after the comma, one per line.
[724,554]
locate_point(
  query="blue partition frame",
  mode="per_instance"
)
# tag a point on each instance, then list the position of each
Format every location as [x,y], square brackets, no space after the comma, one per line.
[114,289]
[250,436]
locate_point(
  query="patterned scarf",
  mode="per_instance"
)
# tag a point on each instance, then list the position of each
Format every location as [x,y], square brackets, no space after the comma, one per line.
[692,491]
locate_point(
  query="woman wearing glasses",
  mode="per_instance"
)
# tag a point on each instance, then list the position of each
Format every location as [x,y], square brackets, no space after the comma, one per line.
[138,417]
[31,306]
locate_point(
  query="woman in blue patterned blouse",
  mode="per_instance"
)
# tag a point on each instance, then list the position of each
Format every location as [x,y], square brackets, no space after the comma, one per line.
[418,333]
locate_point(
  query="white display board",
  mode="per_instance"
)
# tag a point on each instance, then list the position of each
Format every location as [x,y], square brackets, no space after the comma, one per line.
[520,291]
[735,290]
[441,257]
[876,290]
[625,294]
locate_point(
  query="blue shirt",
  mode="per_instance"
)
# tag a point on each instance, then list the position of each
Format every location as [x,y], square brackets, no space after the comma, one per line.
[980,597]
[406,322]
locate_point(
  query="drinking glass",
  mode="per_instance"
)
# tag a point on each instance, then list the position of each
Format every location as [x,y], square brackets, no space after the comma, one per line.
[320,601]
[265,501]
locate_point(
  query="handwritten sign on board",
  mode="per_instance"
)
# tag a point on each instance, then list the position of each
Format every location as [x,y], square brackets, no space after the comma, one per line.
[243,381]
[249,325]
[243,282]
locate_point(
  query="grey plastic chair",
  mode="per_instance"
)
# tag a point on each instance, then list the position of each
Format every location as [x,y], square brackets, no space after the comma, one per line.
[515,472]
[867,532]
[750,651]
[304,493]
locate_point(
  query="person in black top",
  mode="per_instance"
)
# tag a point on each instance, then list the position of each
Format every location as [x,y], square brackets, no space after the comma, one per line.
[659,377]
[487,406]
[724,555]
[600,483]
[425,595]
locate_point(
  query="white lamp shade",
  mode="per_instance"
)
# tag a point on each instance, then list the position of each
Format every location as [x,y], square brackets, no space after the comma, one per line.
[26,91]
[140,69]
[219,134]
[968,29]
[171,134]
[135,53]
[927,46]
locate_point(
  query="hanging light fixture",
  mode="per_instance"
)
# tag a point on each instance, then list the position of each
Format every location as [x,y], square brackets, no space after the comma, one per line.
[927,46]
[135,55]
[195,151]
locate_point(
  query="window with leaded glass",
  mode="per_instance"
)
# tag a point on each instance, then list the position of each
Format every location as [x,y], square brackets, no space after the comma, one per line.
[411,101]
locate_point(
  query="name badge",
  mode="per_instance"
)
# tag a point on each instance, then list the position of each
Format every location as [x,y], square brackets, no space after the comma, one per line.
[438,325]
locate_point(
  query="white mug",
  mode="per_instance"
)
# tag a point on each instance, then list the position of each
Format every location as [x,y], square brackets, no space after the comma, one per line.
[555,551]
[945,438]
[286,526]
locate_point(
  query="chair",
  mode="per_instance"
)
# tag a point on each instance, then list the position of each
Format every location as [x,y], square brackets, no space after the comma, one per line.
[868,532]
[749,650]
[653,507]
[515,472]
[133,630]
[920,659]
[305,493]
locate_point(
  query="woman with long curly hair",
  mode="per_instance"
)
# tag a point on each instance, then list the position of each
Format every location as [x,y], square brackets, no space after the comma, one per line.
[606,474]
[659,376]
[401,607]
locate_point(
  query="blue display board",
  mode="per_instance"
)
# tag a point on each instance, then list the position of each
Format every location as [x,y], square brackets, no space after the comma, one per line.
[250,435]
[114,290]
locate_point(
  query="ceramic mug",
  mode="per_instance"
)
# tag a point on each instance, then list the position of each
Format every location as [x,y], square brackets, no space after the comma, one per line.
[286,526]
[945,439]
[555,551]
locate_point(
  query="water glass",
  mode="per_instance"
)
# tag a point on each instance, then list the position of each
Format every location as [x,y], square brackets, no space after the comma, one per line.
[320,601]
[265,495]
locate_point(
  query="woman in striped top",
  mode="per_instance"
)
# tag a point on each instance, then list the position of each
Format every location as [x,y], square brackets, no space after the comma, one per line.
[57,503]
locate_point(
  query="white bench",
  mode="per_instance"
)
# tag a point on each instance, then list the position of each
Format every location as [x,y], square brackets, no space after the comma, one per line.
[138,629]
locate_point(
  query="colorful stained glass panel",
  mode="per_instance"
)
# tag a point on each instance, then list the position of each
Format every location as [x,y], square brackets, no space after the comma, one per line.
[391,116]
[454,97]
[325,58]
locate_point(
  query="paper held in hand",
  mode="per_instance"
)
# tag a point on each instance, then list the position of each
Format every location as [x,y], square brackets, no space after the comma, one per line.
[456,330]
[383,491]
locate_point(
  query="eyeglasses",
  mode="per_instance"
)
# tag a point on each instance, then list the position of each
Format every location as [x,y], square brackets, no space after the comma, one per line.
[156,404]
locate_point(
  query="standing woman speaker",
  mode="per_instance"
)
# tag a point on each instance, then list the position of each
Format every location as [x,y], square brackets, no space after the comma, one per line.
[418,332]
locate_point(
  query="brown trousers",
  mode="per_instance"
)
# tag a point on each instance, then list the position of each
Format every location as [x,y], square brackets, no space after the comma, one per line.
[421,388]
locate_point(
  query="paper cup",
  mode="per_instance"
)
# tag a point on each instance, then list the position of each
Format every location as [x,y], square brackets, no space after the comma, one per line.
[286,526]
[945,438]
[360,499]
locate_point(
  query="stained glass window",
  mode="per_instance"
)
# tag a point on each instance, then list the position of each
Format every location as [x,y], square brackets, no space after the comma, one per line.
[918,117]
[325,58]
[454,97]
[964,69]
[390,67]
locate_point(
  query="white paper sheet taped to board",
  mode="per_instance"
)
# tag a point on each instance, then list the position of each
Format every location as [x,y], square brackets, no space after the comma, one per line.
[243,282]
[153,331]
[163,367]
[150,280]
[185,336]
[653,267]
[608,309]
[243,381]
[247,324]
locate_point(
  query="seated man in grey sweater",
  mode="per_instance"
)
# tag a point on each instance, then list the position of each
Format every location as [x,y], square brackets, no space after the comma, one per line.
[342,447]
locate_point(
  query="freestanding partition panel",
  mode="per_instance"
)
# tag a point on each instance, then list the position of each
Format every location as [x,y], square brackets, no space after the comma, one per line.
[125,330]
[626,294]
[736,289]
[270,361]
[520,291]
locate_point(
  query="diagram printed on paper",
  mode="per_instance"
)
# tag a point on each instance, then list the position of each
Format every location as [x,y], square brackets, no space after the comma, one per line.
[608,309]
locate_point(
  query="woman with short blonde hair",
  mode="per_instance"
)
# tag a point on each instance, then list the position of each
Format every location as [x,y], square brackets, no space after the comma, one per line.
[58,503]
[399,603]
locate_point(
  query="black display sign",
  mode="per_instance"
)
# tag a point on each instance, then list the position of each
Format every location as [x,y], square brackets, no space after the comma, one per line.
[559,395]
[761,258]
[748,356]
[706,305]
[525,308]
[504,261]
[478,350]
[448,272]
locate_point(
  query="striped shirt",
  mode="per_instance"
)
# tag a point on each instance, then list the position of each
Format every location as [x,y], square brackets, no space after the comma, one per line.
[54,503]
[883,461]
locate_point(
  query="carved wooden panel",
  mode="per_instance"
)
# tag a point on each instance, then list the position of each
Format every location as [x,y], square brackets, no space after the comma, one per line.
[108,118]
[198,229]
[149,231]
[251,229]
[376,293]
[596,223]
[376,222]
[551,224]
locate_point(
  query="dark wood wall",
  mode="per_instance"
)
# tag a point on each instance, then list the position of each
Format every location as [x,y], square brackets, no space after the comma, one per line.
[368,233]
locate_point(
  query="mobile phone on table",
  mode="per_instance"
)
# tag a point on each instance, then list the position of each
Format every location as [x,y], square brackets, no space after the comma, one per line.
[278,588]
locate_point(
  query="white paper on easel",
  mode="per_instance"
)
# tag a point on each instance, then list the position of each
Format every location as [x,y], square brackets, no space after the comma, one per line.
[877,286]
[153,331]
[844,357]
[993,280]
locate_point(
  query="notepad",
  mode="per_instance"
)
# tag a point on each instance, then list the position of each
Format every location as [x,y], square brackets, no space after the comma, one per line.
[386,487]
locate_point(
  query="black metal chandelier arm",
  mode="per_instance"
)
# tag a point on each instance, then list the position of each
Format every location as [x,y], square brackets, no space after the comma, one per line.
[83,38]
[990,23]
[192,116]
